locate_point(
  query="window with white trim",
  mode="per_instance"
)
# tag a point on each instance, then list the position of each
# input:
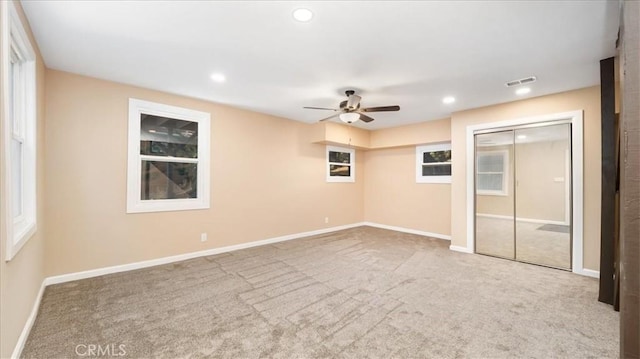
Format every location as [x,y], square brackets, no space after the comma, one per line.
[433,163]
[19,96]
[492,173]
[341,164]
[168,158]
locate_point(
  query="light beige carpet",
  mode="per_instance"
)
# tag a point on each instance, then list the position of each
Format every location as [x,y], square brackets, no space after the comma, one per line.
[358,293]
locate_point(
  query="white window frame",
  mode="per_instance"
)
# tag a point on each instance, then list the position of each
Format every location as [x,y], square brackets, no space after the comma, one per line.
[352,164]
[20,125]
[420,150]
[135,204]
[505,173]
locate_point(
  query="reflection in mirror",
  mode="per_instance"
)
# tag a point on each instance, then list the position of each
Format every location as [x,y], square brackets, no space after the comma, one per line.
[543,195]
[494,194]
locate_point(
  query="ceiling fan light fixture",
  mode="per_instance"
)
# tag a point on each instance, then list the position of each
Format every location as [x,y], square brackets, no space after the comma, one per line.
[349,117]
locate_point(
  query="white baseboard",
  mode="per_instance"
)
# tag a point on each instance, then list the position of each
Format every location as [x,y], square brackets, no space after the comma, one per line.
[22,339]
[408,230]
[460,249]
[181,257]
[588,272]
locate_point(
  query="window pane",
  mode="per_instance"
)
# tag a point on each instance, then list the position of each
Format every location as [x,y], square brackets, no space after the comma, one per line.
[490,162]
[16,177]
[436,156]
[436,170]
[168,180]
[341,171]
[162,136]
[489,182]
[339,157]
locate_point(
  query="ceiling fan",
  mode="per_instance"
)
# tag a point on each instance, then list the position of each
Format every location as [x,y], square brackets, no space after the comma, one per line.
[350,111]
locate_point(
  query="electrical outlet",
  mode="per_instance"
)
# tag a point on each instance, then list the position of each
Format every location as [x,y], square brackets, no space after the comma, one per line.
[326,219]
[203,237]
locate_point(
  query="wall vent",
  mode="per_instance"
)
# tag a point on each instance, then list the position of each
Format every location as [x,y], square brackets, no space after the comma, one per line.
[526,80]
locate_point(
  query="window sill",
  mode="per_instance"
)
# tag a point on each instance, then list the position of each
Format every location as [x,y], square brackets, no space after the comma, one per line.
[167,205]
[341,180]
[22,239]
[433,179]
[492,193]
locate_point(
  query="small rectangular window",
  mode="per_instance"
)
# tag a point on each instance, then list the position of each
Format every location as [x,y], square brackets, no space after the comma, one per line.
[433,163]
[340,164]
[492,173]
[168,158]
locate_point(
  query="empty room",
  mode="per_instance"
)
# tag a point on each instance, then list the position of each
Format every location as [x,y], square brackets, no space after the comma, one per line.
[319,179]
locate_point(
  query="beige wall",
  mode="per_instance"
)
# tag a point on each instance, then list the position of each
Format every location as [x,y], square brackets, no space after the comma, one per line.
[587,99]
[21,278]
[392,196]
[267,180]
[414,134]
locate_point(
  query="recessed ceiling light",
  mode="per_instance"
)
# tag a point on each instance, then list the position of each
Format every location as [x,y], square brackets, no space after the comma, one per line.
[217,77]
[302,15]
[523,91]
[521,137]
[448,100]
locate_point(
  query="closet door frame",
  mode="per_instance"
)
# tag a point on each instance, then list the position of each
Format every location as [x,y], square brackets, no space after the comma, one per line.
[577,131]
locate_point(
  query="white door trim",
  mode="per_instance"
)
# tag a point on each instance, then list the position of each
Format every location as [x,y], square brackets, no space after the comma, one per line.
[577,130]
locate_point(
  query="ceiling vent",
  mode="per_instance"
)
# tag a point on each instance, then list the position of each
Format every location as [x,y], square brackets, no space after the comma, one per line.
[524,81]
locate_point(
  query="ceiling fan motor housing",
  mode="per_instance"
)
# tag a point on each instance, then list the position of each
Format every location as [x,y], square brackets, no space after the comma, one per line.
[350,109]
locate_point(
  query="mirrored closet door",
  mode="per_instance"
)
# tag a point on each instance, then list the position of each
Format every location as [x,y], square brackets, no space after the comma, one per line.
[495,226]
[523,194]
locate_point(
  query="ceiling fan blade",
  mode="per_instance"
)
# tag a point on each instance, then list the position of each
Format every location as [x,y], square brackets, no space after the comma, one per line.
[330,117]
[365,118]
[353,102]
[321,108]
[381,109]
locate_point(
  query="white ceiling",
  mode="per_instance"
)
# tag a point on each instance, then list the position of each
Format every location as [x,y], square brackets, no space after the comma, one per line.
[391,52]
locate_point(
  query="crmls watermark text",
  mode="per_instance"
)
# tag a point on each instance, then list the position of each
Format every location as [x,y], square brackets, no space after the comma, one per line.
[99,350]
